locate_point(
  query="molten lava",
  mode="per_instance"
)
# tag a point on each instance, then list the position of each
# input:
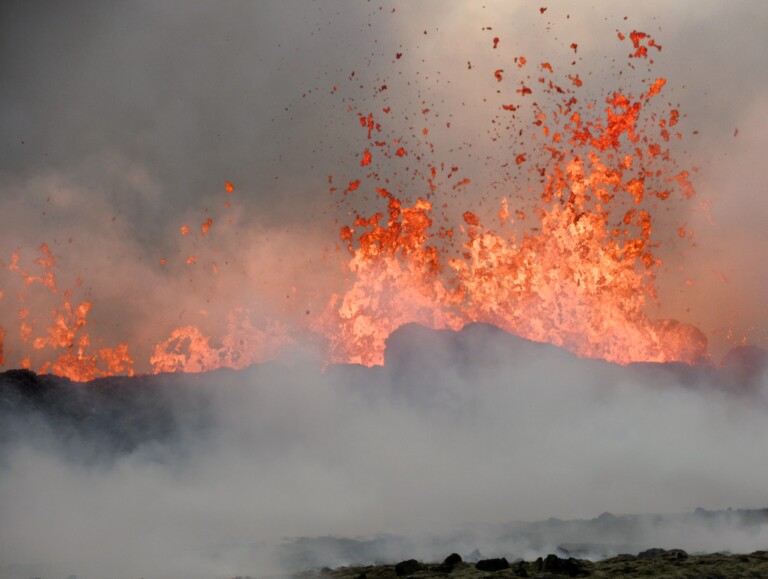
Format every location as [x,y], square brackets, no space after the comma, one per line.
[579,274]
[581,279]
[396,281]
[63,343]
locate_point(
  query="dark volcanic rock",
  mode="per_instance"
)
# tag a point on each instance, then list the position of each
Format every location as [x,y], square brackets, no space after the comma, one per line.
[116,414]
[712,566]
[671,554]
[570,567]
[413,349]
[492,564]
[450,562]
[520,569]
[423,364]
[27,385]
[405,568]
[651,553]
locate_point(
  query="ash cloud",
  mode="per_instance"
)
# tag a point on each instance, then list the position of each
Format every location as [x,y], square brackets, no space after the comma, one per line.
[443,448]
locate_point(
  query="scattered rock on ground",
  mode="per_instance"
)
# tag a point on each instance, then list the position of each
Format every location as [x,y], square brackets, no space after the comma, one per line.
[520,569]
[405,568]
[450,562]
[650,553]
[492,564]
[553,564]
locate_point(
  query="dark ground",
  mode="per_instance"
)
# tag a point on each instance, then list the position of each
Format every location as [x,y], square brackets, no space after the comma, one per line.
[652,563]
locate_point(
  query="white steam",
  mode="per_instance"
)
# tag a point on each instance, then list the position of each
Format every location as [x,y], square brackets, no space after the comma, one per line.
[431,443]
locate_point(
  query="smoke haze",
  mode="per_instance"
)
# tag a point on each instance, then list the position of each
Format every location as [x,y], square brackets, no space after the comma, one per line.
[206,476]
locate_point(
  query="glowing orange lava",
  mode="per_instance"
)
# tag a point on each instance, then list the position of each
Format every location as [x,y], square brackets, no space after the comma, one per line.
[63,343]
[396,281]
[579,274]
[581,279]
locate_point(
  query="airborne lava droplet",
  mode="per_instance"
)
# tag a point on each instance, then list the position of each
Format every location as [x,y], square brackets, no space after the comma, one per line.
[655,89]
[366,160]
[575,80]
[497,74]
[495,41]
[471,219]
[228,187]
[353,185]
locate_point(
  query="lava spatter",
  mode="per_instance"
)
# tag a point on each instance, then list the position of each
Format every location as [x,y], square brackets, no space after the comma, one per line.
[576,279]
[576,269]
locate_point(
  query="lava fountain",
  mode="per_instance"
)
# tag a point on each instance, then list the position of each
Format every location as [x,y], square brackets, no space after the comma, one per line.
[577,269]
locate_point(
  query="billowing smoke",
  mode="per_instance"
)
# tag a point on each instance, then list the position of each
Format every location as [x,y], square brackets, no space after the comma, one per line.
[458,435]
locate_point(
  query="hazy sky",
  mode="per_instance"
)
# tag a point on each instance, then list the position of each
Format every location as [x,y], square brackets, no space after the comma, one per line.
[120,123]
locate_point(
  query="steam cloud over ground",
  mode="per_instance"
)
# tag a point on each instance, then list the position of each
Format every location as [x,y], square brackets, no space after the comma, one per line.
[207,476]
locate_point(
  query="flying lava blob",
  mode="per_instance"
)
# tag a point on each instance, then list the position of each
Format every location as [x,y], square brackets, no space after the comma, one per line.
[577,270]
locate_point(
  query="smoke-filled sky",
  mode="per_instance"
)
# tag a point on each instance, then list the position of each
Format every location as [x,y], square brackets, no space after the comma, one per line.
[121,123]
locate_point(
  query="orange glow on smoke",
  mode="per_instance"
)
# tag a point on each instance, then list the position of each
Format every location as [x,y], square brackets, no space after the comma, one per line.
[580,274]
[187,349]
